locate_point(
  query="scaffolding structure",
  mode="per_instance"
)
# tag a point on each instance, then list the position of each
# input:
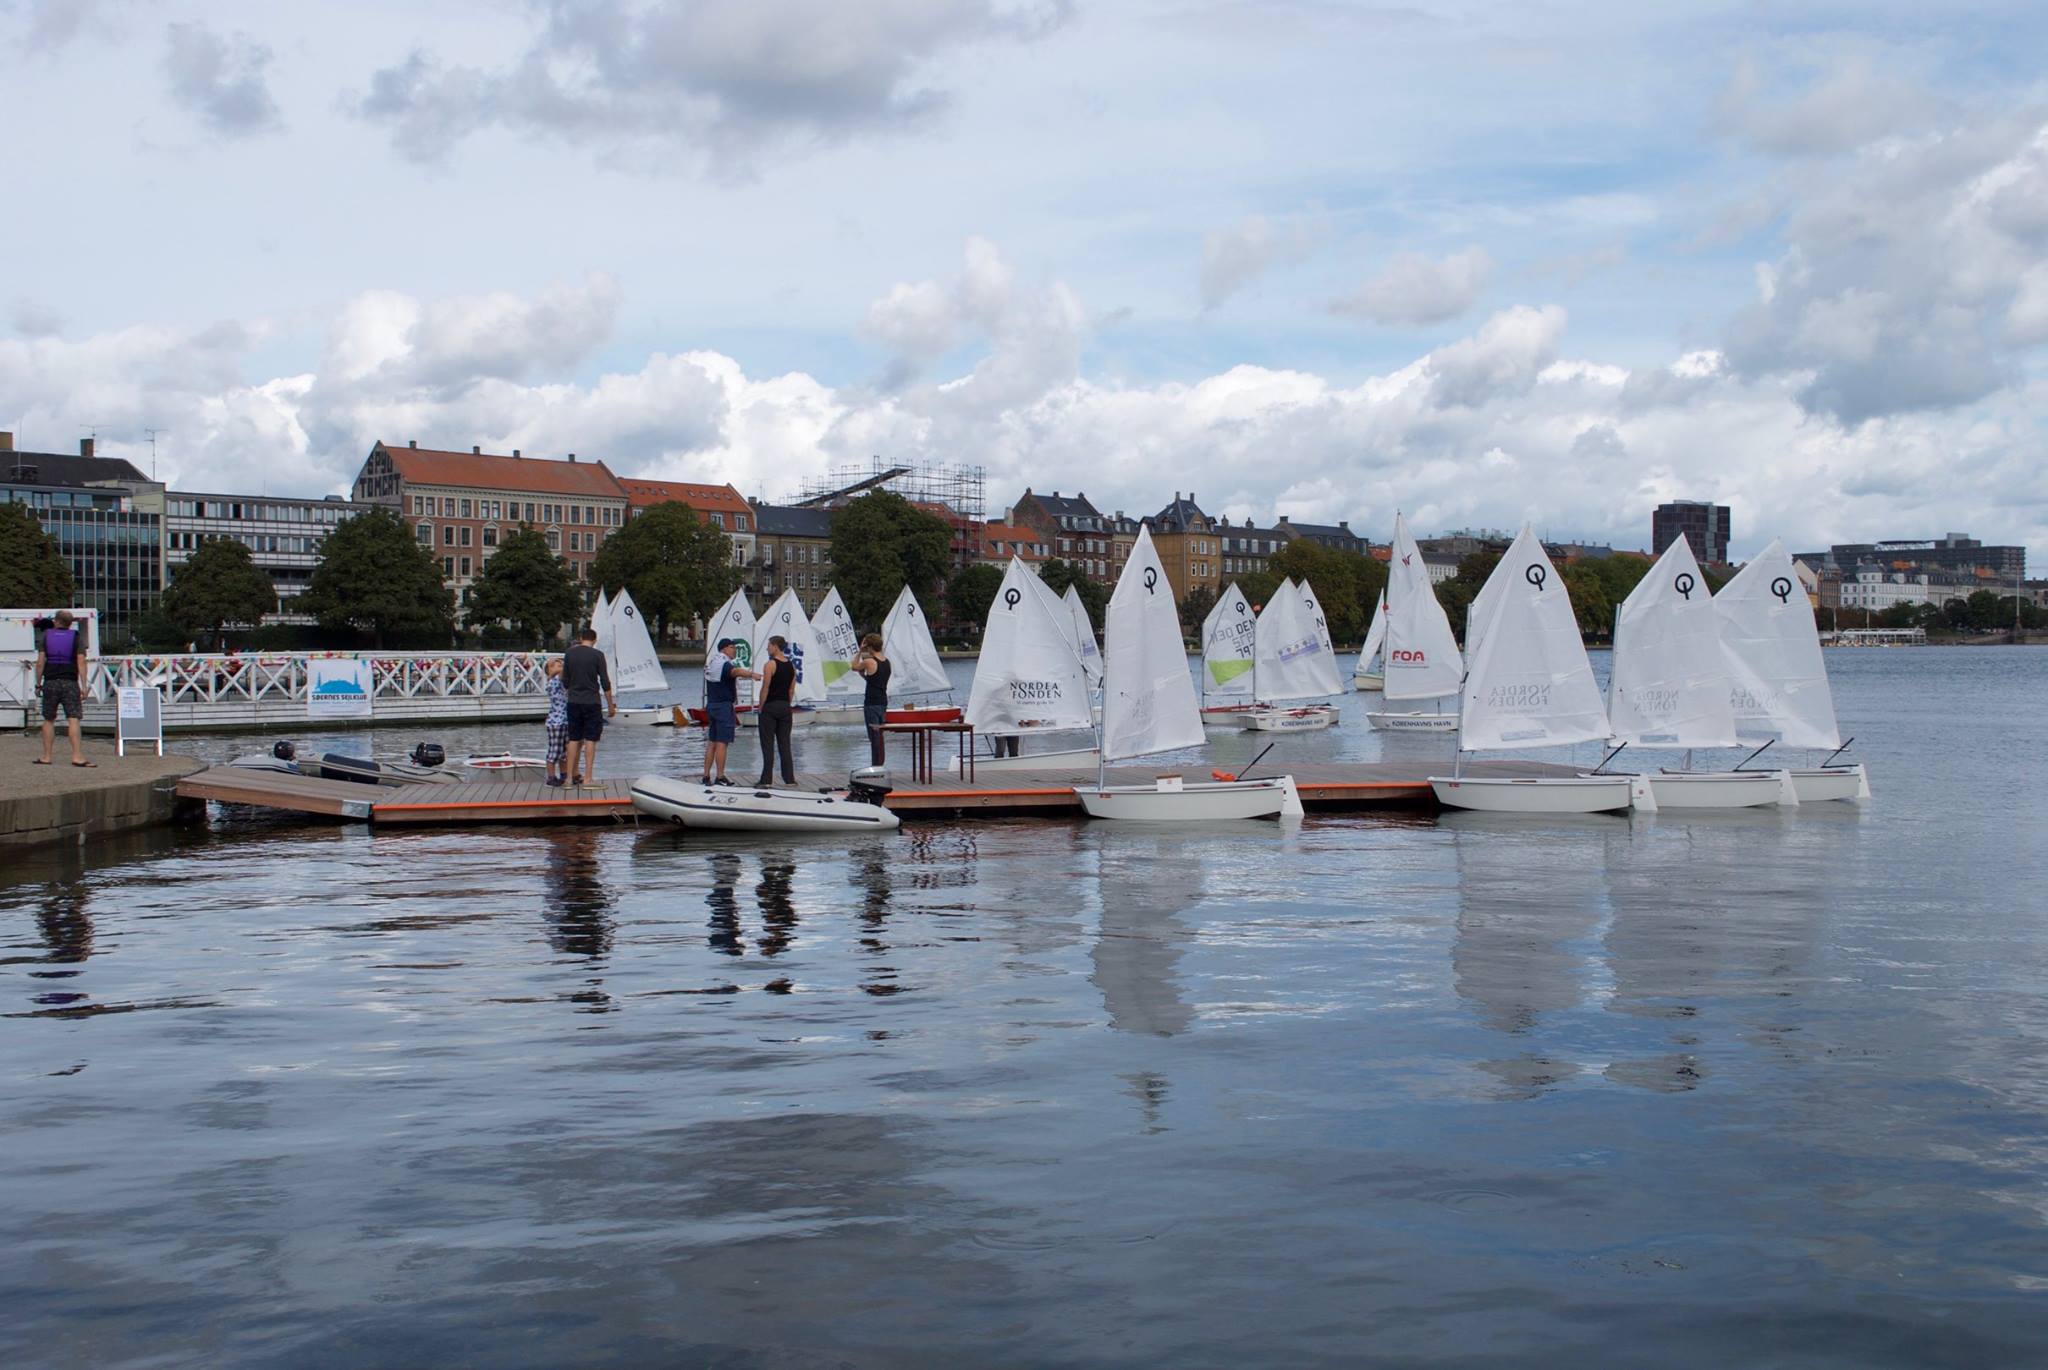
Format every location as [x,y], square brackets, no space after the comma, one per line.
[956,493]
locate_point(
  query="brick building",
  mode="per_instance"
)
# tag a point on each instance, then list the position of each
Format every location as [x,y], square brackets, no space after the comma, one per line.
[792,550]
[1247,547]
[1001,541]
[461,504]
[723,507]
[1071,527]
[1188,546]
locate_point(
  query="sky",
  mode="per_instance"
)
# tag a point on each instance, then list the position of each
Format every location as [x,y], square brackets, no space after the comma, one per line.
[1487,264]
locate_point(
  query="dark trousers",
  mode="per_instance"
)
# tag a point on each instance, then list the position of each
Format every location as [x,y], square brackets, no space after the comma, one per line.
[775,726]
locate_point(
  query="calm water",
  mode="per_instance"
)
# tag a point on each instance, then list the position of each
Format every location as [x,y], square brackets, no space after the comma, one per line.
[1732,1089]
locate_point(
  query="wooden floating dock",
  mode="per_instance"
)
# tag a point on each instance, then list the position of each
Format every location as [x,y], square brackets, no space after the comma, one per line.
[1323,785]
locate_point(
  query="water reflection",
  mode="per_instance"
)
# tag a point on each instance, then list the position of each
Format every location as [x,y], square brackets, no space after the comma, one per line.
[871,877]
[724,903]
[579,910]
[1146,884]
[778,910]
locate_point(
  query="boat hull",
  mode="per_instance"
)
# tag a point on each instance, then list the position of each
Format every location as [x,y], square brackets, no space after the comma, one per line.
[836,714]
[1186,803]
[1819,784]
[1286,720]
[1716,789]
[511,770]
[652,716]
[937,713]
[1368,682]
[723,808]
[1070,759]
[1412,722]
[1561,794]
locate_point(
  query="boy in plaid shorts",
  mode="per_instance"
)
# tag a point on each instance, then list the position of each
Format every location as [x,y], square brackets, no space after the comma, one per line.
[558,722]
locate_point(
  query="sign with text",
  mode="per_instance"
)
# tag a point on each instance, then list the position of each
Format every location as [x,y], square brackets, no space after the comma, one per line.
[337,687]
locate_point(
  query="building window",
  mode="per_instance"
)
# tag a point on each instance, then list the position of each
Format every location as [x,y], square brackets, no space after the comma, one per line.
[465,568]
[718,521]
[554,541]
[419,504]
[739,523]
[465,535]
[465,508]
[491,537]
[447,567]
[447,535]
[448,507]
[529,513]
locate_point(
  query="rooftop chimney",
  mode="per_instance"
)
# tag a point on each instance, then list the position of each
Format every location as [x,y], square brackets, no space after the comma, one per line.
[85,446]
[412,442]
[1345,524]
[515,452]
[572,456]
[475,451]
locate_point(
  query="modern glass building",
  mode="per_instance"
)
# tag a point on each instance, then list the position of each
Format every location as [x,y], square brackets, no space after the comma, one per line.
[284,536]
[107,519]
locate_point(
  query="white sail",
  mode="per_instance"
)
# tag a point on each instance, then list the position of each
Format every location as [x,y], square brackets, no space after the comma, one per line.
[1529,683]
[734,619]
[1324,663]
[786,619]
[1778,683]
[1054,606]
[601,623]
[1148,698]
[1289,658]
[838,645]
[1375,636]
[1669,683]
[1229,642]
[1084,635]
[914,665]
[1029,678]
[1422,653]
[630,653]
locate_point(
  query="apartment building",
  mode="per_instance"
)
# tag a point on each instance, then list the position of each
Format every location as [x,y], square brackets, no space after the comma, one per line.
[723,507]
[792,551]
[1071,527]
[284,536]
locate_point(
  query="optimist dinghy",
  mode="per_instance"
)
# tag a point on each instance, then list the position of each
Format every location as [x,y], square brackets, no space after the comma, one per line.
[693,804]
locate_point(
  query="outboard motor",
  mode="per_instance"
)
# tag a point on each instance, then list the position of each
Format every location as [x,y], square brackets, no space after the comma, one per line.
[869,785]
[429,755]
[285,751]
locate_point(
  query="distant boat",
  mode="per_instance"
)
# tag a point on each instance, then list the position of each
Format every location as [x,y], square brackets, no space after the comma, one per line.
[1369,673]
[1293,660]
[1421,659]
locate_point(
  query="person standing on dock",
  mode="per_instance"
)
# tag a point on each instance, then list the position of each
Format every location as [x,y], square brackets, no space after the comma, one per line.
[874,704]
[722,676]
[62,663]
[585,676]
[778,683]
[557,723]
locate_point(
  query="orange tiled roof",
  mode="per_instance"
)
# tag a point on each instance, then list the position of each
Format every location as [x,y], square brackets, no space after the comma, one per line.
[704,498]
[489,471]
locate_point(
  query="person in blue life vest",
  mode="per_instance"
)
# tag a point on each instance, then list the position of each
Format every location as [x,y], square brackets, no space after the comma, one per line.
[62,664]
[722,676]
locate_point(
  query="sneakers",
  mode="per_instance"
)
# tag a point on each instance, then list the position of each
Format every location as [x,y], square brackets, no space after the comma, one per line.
[555,782]
[722,781]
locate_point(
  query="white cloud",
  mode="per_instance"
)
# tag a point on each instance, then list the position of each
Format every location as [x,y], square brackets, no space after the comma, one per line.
[1234,257]
[221,80]
[1415,289]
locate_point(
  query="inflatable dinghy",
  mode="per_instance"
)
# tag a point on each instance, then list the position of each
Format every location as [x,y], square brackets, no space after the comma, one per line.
[693,804]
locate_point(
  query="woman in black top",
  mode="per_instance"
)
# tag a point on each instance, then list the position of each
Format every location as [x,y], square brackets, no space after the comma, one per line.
[778,680]
[875,703]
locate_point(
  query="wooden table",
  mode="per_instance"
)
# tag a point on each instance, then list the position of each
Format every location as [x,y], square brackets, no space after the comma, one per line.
[921,735]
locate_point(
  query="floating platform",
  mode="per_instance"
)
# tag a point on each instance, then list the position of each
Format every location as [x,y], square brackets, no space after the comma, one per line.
[1325,785]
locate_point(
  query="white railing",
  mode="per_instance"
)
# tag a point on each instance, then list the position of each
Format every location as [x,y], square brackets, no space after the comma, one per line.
[280,677]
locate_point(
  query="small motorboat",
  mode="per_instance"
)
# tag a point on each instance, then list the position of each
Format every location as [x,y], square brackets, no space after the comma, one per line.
[693,804]
[425,767]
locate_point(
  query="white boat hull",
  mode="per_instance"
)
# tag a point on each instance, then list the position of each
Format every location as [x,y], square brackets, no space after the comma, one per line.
[1820,784]
[1412,722]
[836,714]
[1716,789]
[510,770]
[1173,801]
[1225,715]
[1286,720]
[725,808]
[1559,794]
[1074,759]
[654,716]
[1368,682]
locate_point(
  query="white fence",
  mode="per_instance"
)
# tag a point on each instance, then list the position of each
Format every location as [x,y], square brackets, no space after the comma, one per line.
[269,689]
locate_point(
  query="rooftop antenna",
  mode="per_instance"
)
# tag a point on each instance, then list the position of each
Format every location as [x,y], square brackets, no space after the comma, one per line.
[153,434]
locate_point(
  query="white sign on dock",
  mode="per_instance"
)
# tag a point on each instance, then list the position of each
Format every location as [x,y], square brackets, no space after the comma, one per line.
[138,718]
[338,687]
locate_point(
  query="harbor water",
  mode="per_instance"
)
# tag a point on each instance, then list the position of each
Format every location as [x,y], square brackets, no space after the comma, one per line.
[1735,1088]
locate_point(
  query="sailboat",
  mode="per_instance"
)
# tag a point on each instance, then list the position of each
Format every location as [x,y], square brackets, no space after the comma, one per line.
[1148,705]
[1029,678]
[786,619]
[1370,673]
[915,668]
[1229,656]
[838,645]
[1422,660]
[734,619]
[1292,659]
[1084,636]
[629,655]
[1669,688]
[1528,684]
[1779,682]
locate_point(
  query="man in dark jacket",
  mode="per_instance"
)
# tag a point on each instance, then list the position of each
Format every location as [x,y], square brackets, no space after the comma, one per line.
[585,677]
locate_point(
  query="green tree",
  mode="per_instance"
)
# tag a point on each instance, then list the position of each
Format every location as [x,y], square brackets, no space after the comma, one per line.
[1195,608]
[673,563]
[1094,594]
[1988,612]
[219,585]
[970,592]
[33,573]
[374,578]
[1346,583]
[882,542]
[526,585]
